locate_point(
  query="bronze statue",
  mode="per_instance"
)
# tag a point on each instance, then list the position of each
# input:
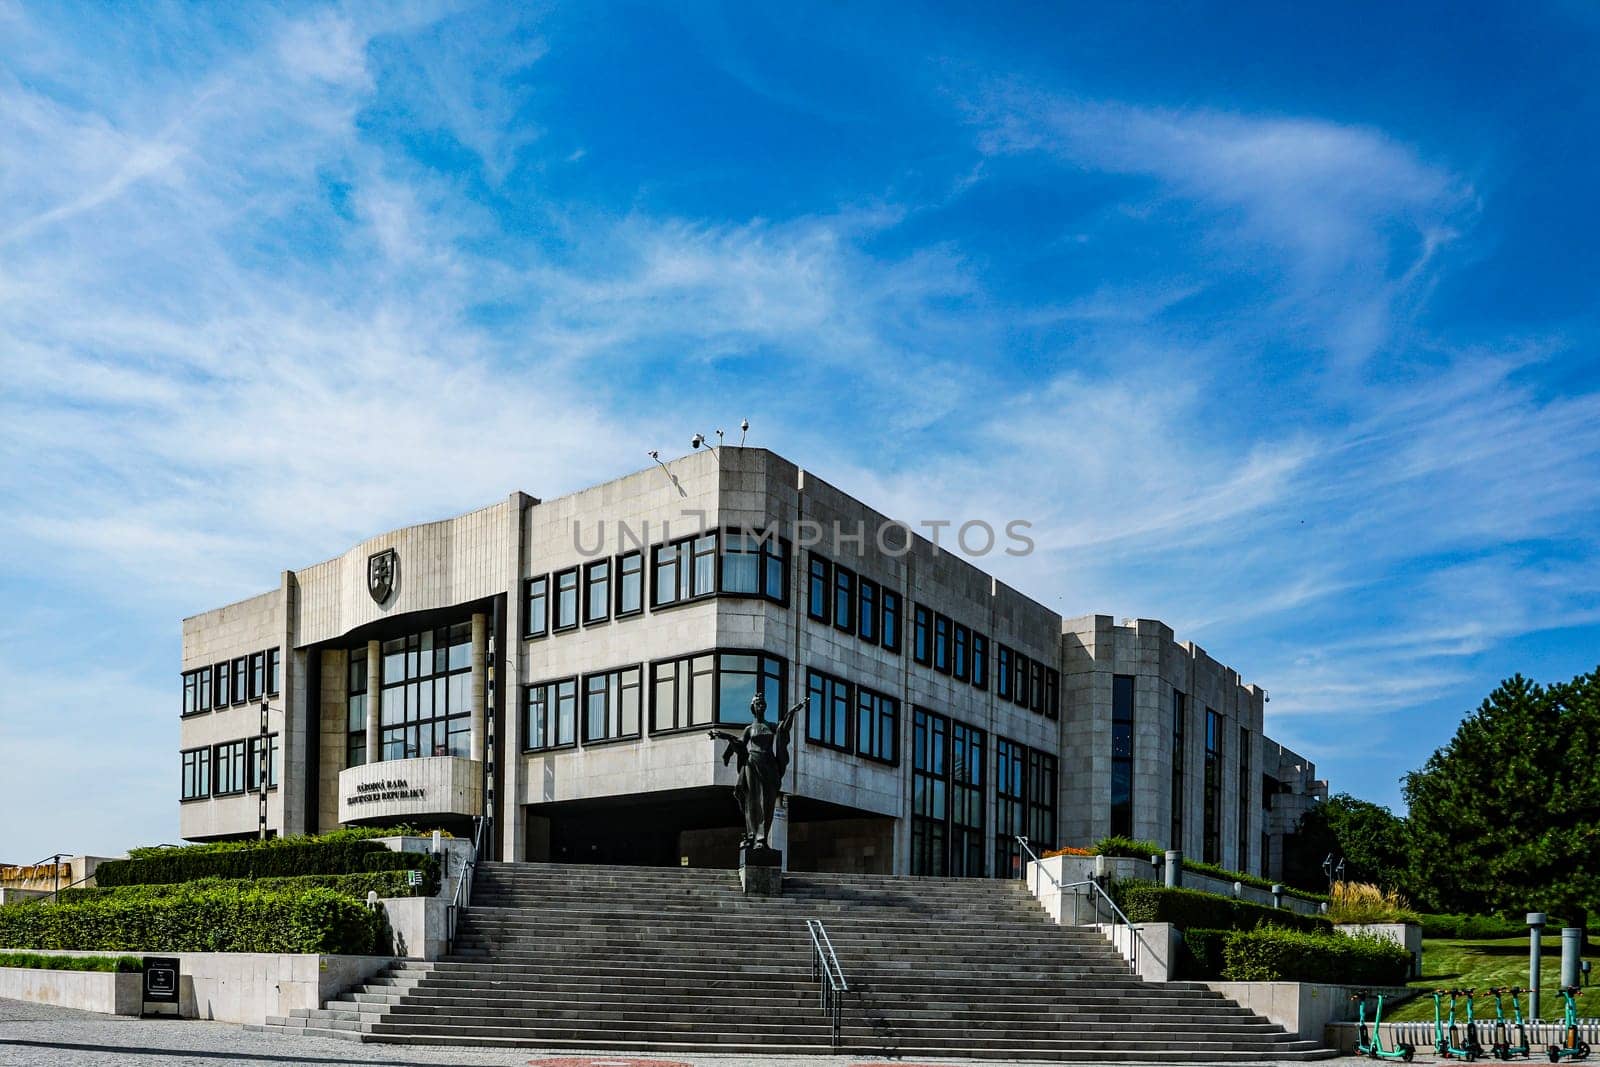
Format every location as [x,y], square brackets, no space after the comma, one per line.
[763,753]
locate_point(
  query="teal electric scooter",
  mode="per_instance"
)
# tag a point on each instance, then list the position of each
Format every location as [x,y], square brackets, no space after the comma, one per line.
[1573,1046]
[1501,1045]
[1445,1034]
[1374,1046]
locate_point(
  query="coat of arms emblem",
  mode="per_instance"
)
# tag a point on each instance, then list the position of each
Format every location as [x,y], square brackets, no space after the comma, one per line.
[381,568]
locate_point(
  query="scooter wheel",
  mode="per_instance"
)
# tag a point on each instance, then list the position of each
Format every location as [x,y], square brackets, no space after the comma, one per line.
[1583,1049]
[1555,1053]
[1407,1051]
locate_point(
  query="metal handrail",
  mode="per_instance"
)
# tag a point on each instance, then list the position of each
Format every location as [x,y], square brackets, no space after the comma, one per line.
[1098,894]
[825,970]
[461,899]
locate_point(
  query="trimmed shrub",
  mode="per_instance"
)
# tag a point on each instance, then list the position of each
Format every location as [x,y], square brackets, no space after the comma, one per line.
[1130,848]
[1189,909]
[348,833]
[1363,902]
[384,883]
[1271,954]
[200,920]
[1472,927]
[337,853]
[36,961]
[1126,847]
[1200,957]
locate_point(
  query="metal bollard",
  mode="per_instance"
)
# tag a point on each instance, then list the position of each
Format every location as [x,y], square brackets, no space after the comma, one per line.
[1571,951]
[1535,951]
[1174,869]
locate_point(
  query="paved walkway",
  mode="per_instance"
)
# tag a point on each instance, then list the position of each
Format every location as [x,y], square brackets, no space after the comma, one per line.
[32,1034]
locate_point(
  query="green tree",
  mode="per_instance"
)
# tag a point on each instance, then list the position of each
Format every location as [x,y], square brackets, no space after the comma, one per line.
[1370,837]
[1506,817]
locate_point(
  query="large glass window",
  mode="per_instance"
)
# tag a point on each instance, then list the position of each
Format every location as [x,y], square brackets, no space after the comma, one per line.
[241,680]
[1052,693]
[630,583]
[980,661]
[1021,675]
[1036,687]
[596,591]
[550,715]
[566,615]
[191,692]
[203,689]
[877,725]
[536,607]
[1245,793]
[1122,755]
[941,644]
[1211,841]
[960,652]
[754,566]
[890,629]
[819,589]
[426,700]
[828,713]
[1179,753]
[713,687]
[930,793]
[272,671]
[355,745]
[1041,800]
[1002,672]
[196,773]
[253,763]
[967,761]
[221,688]
[867,610]
[611,703]
[258,675]
[844,599]
[228,768]
[921,634]
[1010,811]
[684,570]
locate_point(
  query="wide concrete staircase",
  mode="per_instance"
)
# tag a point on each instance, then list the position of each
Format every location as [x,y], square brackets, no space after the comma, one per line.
[561,956]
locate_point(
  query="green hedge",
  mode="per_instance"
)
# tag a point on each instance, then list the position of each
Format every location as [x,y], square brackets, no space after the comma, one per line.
[1189,909]
[384,883]
[36,961]
[332,854]
[204,920]
[1271,954]
[1472,927]
[1200,957]
[1129,848]
[348,833]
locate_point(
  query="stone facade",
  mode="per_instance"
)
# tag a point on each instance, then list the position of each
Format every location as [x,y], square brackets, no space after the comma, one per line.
[598,798]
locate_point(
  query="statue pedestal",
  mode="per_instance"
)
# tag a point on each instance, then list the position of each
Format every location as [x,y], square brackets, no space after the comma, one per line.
[761,872]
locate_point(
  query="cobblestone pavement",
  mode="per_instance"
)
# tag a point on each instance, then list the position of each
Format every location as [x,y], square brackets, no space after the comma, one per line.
[33,1034]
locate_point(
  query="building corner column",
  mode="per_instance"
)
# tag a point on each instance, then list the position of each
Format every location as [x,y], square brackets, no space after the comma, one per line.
[480,682]
[374,698]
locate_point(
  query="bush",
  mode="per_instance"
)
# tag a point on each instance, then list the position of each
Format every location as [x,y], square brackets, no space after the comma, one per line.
[1271,954]
[1472,927]
[1127,847]
[1131,848]
[39,962]
[1200,957]
[200,920]
[348,833]
[338,853]
[1362,902]
[1189,909]
[384,883]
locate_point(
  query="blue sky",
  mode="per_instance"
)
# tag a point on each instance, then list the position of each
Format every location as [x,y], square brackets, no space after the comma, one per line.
[1277,323]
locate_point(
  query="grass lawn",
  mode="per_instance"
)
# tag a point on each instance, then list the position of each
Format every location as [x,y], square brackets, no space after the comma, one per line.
[1481,964]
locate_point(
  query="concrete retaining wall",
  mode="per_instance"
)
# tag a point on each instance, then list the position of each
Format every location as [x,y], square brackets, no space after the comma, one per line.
[1303,1008]
[1080,868]
[101,991]
[1407,935]
[246,987]
[419,925]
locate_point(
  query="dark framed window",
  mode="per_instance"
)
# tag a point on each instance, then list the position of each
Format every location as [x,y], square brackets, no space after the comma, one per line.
[967,763]
[258,675]
[1010,807]
[1122,755]
[1002,672]
[1211,839]
[566,600]
[191,692]
[550,715]
[890,630]
[844,599]
[221,684]
[203,688]
[425,703]
[612,702]
[1180,712]
[921,634]
[196,773]
[536,607]
[980,660]
[930,792]
[713,687]
[227,764]
[241,680]
[1042,785]
[877,726]
[819,589]
[597,591]
[1022,672]
[754,566]
[355,744]
[828,713]
[252,767]
[272,671]
[1245,794]
[1052,693]
[1036,687]
[867,610]
[630,584]
[960,652]
[684,570]
[941,644]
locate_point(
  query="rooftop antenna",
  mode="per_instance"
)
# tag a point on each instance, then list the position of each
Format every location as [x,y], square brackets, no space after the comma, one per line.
[744,428]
